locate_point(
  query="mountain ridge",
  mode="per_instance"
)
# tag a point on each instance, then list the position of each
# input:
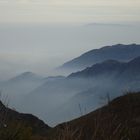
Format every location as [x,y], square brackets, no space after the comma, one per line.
[118,52]
[107,66]
[85,88]
[26,75]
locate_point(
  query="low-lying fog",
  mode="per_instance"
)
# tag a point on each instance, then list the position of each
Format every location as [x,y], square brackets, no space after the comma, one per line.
[61,99]
[41,49]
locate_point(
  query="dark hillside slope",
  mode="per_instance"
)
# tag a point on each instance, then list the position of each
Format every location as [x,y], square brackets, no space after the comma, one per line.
[118,120]
[9,116]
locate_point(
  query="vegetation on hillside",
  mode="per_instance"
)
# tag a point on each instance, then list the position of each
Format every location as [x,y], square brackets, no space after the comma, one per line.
[18,126]
[118,120]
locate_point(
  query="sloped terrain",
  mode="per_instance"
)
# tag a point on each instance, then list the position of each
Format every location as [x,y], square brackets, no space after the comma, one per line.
[118,120]
[17,125]
[59,100]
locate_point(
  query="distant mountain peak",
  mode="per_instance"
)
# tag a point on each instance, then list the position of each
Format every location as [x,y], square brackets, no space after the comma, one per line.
[119,52]
[108,67]
[26,75]
[106,24]
[120,46]
[136,60]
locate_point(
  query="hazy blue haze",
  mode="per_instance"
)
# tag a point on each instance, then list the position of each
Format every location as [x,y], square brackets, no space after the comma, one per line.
[40,48]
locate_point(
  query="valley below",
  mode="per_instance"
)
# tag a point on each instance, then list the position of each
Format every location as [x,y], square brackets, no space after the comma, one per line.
[98,100]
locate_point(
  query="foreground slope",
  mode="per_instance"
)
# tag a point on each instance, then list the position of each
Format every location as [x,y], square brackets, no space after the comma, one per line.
[118,120]
[12,122]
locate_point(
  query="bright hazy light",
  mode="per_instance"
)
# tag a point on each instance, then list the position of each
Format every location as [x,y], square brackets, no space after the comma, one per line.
[72,11]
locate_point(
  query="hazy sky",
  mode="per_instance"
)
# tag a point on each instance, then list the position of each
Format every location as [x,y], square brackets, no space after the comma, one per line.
[54,11]
[37,35]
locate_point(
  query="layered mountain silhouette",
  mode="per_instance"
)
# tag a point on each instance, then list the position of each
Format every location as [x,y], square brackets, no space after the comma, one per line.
[116,69]
[24,82]
[110,70]
[84,89]
[26,76]
[17,87]
[118,52]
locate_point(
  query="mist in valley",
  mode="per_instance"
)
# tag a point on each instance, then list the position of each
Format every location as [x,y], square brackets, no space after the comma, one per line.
[59,99]
[42,48]
[31,54]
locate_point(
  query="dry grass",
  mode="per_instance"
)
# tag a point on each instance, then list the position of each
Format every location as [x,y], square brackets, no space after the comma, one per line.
[12,129]
[119,120]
